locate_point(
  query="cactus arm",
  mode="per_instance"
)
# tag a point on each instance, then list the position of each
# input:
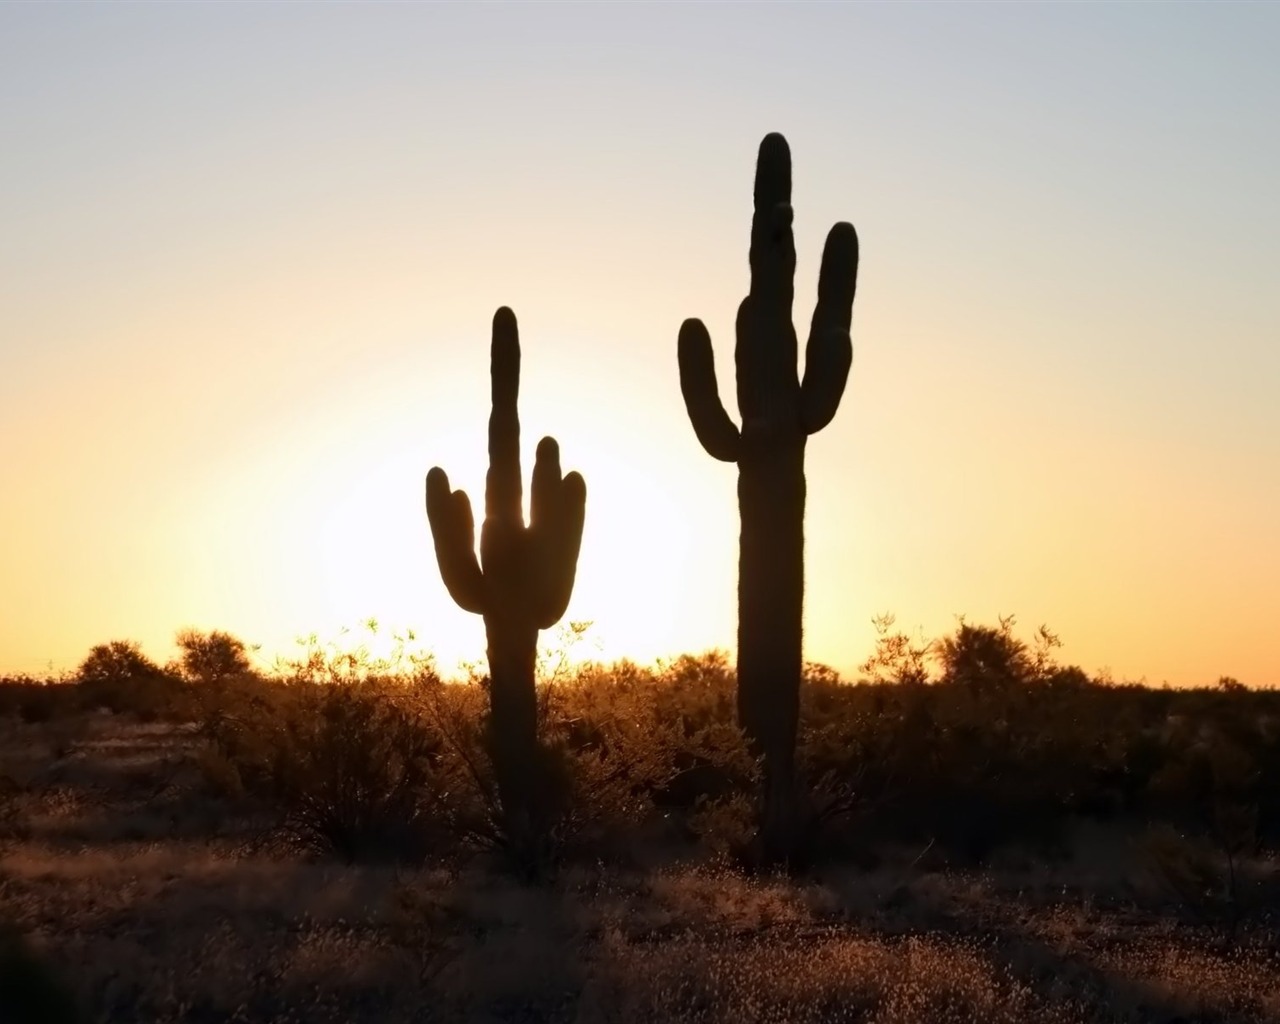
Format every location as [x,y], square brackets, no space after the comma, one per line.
[544,498]
[827,360]
[453,531]
[712,425]
[829,353]
[557,544]
[557,509]
[503,492]
[574,508]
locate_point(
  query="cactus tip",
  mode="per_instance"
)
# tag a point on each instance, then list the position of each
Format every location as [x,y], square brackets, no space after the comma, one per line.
[773,174]
[692,331]
[437,483]
[548,449]
[844,232]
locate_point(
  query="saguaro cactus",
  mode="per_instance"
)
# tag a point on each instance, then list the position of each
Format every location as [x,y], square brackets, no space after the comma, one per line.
[779,411]
[523,579]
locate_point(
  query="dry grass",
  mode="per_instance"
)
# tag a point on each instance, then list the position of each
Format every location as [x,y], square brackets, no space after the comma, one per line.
[135,876]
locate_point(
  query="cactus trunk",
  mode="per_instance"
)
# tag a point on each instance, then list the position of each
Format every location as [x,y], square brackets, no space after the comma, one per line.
[771,492]
[513,717]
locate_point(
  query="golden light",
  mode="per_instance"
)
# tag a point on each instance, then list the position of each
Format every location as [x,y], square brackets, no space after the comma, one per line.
[655,573]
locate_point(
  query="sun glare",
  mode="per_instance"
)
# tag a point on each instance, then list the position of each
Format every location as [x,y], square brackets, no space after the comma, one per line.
[655,571]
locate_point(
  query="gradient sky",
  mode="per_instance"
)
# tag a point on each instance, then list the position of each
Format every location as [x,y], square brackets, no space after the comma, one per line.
[249,254]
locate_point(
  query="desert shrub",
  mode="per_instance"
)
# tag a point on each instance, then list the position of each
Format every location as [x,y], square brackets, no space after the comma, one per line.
[39,704]
[119,677]
[529,846]
[970,742]
[350,770]
[118,661]
[240,720]
[612,752]
[584,785]
[337,743]
[1002,746]
[355,773]
[620,747]
[976,741]
[985,659]
[898,657]
[210,657]
[661,741]
[348,658]
[965,746]
[37,700]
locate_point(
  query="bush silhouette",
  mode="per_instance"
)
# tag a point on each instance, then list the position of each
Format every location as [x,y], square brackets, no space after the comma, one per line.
[117,662]
[119,677]
[985,659]
[211,657]
[988,744]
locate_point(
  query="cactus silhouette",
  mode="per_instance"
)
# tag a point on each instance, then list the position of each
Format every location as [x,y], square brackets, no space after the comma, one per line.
[524,576]
[779,411]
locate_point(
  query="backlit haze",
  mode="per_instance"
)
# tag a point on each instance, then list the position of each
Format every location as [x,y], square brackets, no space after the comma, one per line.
[249,255]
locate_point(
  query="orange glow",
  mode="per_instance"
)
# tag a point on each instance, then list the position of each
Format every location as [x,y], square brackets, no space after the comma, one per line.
[233,344]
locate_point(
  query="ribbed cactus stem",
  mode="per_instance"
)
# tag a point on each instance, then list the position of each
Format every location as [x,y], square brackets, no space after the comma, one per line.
[779,412]
[524,576]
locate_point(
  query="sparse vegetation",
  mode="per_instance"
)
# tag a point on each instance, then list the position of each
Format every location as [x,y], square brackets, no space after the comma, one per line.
[987,835]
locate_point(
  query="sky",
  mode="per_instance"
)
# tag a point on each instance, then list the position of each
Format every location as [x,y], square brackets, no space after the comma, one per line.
[249,255]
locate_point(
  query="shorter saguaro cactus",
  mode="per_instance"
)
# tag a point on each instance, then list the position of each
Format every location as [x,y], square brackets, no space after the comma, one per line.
[524,576]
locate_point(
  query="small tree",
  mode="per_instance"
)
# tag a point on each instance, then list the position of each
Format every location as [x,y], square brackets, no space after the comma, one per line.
[119,661]
[210,657]
[119,677]
[983,659]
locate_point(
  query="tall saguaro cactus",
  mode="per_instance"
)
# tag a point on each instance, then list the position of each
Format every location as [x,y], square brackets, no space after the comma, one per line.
[779,411]
[523,579]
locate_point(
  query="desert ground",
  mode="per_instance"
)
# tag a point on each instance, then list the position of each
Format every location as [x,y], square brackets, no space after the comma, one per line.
[196,854]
